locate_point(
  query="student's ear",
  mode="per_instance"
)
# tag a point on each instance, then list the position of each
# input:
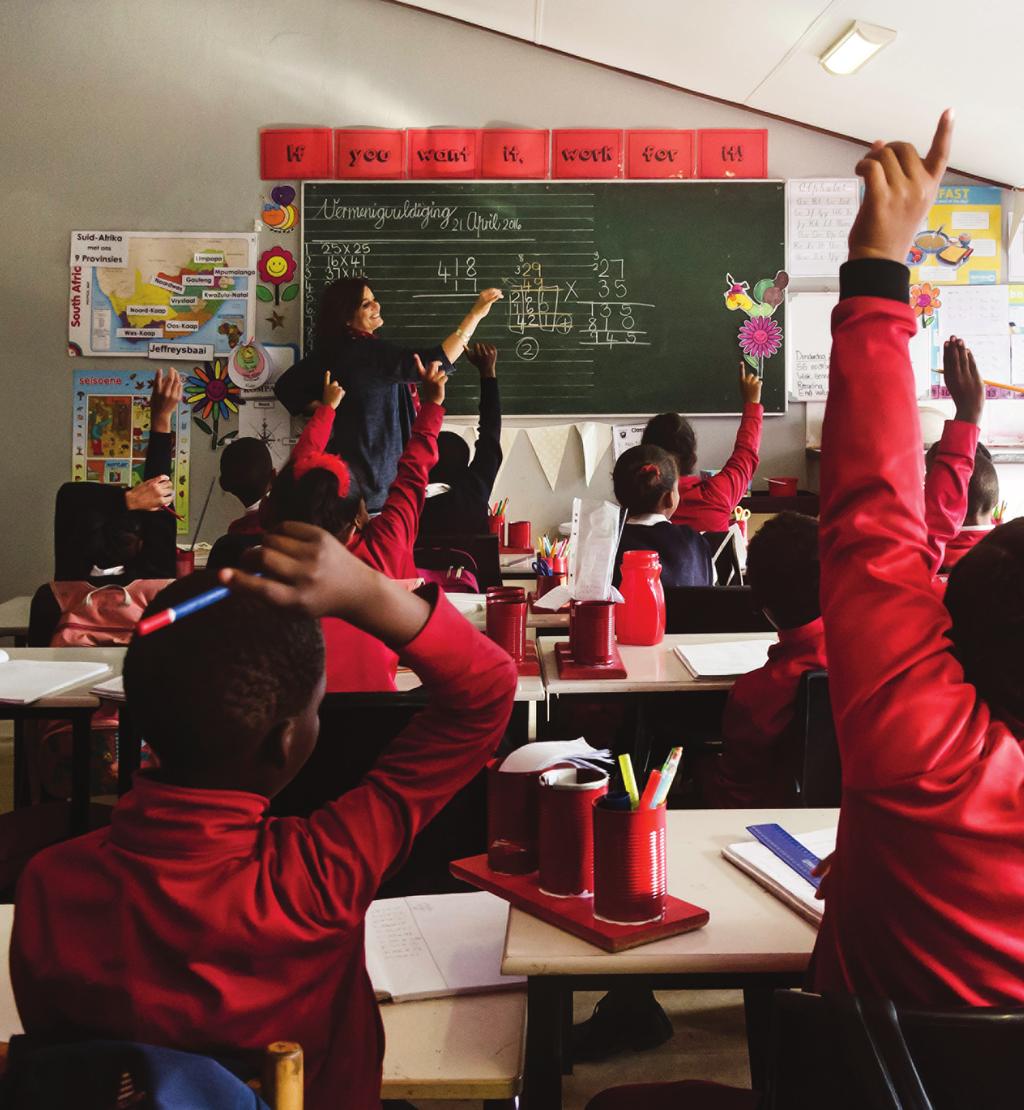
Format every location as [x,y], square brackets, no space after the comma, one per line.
[277,745]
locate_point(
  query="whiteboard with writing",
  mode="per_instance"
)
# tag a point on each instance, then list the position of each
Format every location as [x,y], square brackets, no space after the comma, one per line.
[810,340]
[820,213]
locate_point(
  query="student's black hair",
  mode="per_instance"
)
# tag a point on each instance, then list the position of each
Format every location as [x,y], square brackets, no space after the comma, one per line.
[452,458]
[985,598]
[983,489]
[642,476]
[338,304]
[215,683]
[783,569]
[246,469]
[673,433]
[312,499]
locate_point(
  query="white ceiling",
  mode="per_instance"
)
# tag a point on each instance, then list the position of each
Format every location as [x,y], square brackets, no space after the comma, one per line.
[765,56]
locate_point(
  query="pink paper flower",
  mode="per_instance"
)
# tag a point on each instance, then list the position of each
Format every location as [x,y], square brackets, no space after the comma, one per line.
[760,337]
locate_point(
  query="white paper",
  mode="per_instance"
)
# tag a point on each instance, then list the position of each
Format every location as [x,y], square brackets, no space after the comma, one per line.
[820,213]
[625,436]
[921,360]
[722,660]
[809,324]
[776,876]
[99,248]
[991,354]
[984,248]
[27,680]
[546,753]
[970,220]
[112,689]
[1015,255]
[269,421]
[596,439]
[1017,359]
[974,310]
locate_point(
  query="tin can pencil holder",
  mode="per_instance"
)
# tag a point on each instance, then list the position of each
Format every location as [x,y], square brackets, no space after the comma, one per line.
[629,865]
[566,841]
[511,820]
[592,631]
[520,534]
[506,624]
[496,524]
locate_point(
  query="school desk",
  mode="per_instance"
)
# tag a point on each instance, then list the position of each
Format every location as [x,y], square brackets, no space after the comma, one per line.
[469,1047]
[14,617]
[540,618]
[753,942]
[75,705]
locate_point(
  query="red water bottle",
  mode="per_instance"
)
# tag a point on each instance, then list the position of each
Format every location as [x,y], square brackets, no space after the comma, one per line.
[640,618]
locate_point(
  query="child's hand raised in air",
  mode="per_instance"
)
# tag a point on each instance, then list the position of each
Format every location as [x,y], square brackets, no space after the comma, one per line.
[432,381]
[963,380]
[484,356]
[899,188]
[333,393]
[152,494]
[750,386]
[165,398]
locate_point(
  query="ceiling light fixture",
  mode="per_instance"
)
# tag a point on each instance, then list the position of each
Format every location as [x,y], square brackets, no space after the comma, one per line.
[857,45]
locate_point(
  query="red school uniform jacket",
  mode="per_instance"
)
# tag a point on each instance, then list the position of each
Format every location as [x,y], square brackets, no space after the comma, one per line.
[198,922]
[946,484]
[755,769]
[357,661]
[249,524]
[962,542]
[707,504]
[926,894]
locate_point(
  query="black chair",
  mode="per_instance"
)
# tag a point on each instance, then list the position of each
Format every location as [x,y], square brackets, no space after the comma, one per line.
[816,751]
[435,553]
[724,558]
[713,609]
[848,1053]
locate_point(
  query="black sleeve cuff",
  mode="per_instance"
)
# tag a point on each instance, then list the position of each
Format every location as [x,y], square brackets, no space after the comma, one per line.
[874,277]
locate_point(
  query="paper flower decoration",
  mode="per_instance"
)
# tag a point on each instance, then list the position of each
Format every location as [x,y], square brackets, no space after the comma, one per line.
[218,396]
[759,336]
[924,300]
[276,267]
[280,214]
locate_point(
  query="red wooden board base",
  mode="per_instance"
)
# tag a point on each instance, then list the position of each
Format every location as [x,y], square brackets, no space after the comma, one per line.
[569,668]
[576,915]
[530,666]
[502,550]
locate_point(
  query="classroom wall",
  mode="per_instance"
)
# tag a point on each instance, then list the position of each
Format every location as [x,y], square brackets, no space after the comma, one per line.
[123,118]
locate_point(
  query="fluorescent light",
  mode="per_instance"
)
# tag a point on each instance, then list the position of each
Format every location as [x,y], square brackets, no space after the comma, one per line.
[854,47]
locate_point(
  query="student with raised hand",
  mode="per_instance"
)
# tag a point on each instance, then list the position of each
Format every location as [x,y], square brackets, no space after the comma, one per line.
[707,504]
[459,494]
[925,895]
[195,921]
[949,463]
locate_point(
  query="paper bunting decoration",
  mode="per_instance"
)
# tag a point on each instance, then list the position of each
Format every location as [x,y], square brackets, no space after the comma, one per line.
[277,267]
[549,447]
[508,442]
[760,337]
[596,439]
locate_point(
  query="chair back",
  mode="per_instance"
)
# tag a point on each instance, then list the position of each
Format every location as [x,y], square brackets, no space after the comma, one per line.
[816,750]
[698,609]
[725,557]
[850,1053]
[441,552]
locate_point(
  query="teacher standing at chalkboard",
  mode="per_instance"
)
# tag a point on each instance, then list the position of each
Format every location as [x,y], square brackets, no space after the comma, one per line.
[375,418]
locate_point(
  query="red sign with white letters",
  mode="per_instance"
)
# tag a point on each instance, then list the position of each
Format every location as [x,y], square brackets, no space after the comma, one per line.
[514,153]
[742,153]
[444,153]
[586,153]
[302,152]
[659,154]
[362,152]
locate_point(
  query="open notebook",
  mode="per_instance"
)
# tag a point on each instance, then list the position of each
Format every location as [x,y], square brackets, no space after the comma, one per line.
[721,660]
[765,867]
[112,689]
[435,945]
[23,681]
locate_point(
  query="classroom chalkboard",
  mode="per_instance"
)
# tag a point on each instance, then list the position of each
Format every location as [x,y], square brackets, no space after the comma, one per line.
[614,291]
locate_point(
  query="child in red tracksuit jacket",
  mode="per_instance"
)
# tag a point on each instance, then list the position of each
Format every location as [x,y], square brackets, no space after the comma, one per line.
[707,504]
[756,766]
[196,921]
[313,488]
[925,894]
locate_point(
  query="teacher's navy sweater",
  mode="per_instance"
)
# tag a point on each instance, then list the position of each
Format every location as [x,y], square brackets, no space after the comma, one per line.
[685,556]
[925,897]
[375,417]
[197,921]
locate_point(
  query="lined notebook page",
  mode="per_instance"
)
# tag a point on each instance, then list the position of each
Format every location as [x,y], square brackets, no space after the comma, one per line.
[732,657]
[776,876]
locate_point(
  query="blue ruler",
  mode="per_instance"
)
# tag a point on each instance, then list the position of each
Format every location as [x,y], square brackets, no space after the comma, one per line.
[788,849]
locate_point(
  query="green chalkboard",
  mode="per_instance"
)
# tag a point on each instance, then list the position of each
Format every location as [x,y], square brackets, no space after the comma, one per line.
[614,291]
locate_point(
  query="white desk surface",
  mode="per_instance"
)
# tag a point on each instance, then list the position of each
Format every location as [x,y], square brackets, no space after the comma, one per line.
[750,930]
[458,1048]
[469,1047]
[648,669]
[14,616]
[75,697]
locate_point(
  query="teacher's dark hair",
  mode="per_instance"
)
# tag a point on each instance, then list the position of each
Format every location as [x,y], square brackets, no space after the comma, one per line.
[338,304]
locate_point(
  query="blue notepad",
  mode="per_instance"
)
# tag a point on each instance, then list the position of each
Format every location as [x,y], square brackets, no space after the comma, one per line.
[788,849]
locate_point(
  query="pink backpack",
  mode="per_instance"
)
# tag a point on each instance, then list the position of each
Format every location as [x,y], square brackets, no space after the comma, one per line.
[101,616]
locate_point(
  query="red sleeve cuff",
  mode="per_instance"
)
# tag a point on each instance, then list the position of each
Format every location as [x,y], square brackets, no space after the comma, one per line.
[961,437]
